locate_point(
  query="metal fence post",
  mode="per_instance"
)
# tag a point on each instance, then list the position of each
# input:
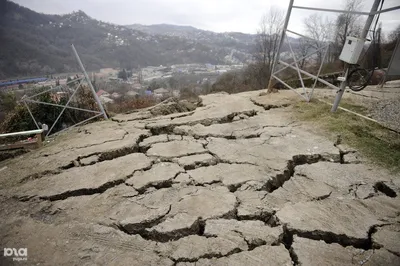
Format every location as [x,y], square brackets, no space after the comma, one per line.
[364,34]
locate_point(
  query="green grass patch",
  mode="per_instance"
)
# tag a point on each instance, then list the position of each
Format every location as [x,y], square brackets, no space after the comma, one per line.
[379,144]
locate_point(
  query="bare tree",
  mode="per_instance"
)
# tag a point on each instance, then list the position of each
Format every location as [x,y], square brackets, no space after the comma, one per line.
[347,24]
[267,43]
[320,30]
[303,48]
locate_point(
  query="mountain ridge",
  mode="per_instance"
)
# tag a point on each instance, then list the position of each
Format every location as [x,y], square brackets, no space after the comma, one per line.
[39,44]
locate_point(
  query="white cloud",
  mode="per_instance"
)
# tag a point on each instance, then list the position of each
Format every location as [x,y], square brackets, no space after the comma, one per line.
[215,15]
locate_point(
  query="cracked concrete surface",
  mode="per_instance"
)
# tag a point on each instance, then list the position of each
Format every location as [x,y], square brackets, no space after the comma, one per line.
[237,181]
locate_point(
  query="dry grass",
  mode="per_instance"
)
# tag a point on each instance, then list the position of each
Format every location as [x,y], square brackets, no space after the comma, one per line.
[380,145]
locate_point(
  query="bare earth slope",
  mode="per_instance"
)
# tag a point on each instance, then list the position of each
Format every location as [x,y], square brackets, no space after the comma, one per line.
[235,182]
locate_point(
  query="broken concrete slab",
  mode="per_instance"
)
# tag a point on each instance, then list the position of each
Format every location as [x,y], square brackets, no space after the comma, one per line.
[85,180]
[268,132]
[193,161]
[54,244]
[274,153]
[231,175]
[212,111]
[135,218]
[96,207]
[298,189]
[147,142]
[32,165]
[276,100]
[256,233]
[365,191]
[387,237]
[264,255]
[183,178]
[110,150]
[207,203]
[164,196]
[267,140]
[315,220]
[346,176]
[89,160]
[175,227]
[312,252]
[245,128]
[86,136]
[132,116]
[175,149]
[160,175]
[192,248]
[252,206]
[384,208]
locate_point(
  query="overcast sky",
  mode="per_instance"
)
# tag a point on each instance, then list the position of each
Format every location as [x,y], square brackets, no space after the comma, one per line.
[214,15]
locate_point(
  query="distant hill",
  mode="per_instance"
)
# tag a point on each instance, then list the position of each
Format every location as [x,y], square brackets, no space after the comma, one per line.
[232,39]
[38,44]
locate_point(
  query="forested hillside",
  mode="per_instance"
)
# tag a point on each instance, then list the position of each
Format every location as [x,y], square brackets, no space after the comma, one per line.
[39,44]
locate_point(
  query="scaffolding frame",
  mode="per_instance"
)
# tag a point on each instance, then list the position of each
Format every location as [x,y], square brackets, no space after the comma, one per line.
[294,65]
[31,99]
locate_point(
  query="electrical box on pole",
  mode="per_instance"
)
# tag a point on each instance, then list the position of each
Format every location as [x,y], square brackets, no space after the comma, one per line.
[352,50]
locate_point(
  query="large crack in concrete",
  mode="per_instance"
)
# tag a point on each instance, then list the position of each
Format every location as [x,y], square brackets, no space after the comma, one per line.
[99,157]
[169,129]
[385,189]
[151,229]
[297,160]
[83,192]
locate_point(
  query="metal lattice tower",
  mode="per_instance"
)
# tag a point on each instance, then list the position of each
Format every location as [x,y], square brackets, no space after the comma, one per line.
[294,65]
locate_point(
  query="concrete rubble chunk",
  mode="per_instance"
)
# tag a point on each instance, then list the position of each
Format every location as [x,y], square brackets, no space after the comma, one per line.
[388,237]
[231,175]
[261,256]
[312,252]
[193,248]
[159,175]
[315,220]
[256,233]
[85,180]
[175,149]
[207,203]
[196,160]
